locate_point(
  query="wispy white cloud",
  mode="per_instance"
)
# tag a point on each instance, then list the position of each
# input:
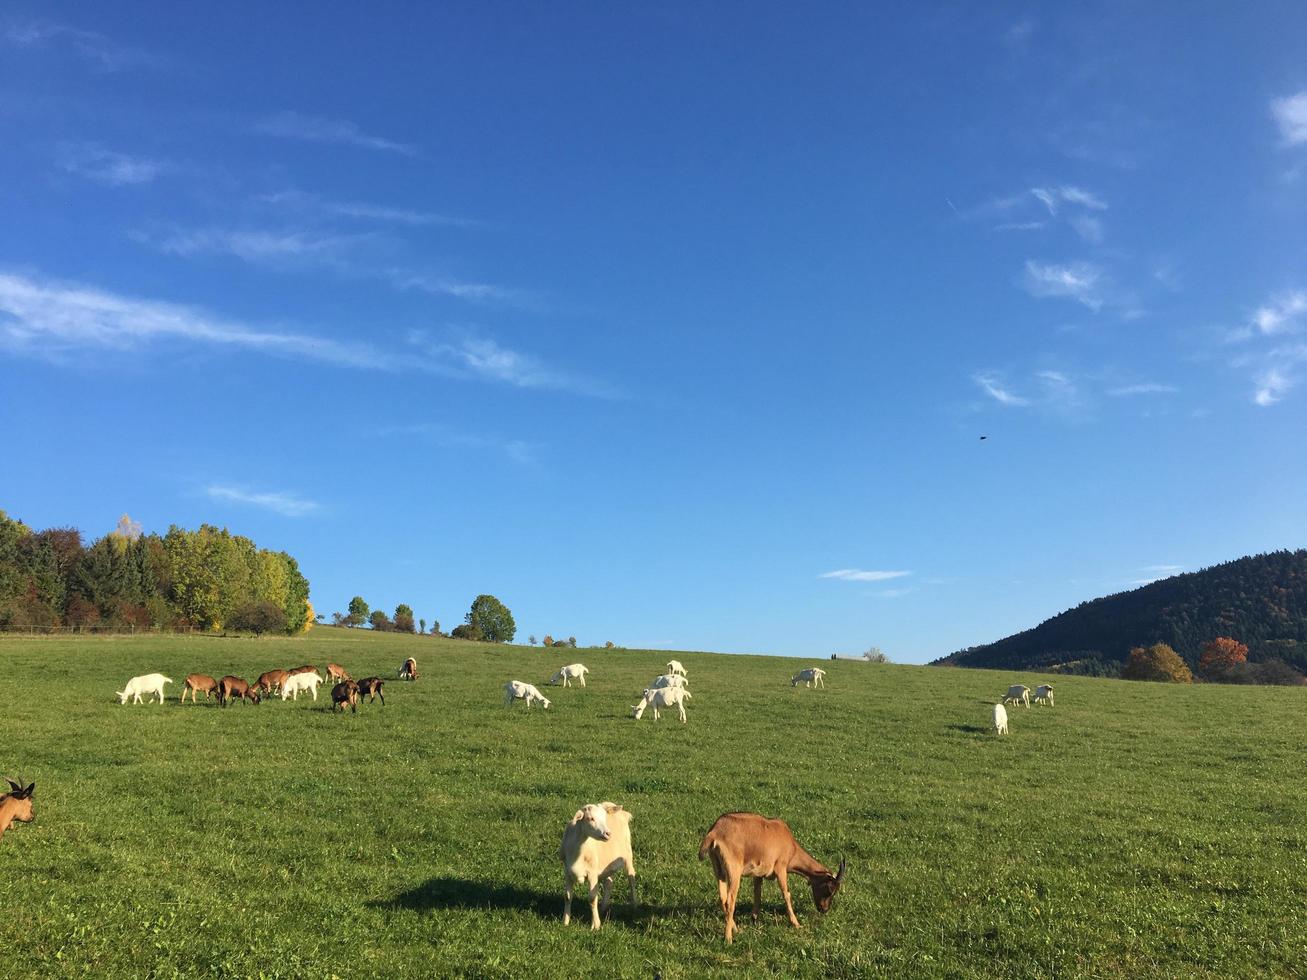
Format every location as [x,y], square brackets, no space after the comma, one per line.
[1271,386]
[1087,227]
[893,593]
[994,386]
[1142,388]
[519,451]
[318,129]
[408,279]
[1155,573]
[1280,315]
[284,503]
[1080,281]
[107,166]
[1021,226]
[478,356]
[365,212]
[101,51]
[862,575]
[1276,369]
[250,245]
[1290,113]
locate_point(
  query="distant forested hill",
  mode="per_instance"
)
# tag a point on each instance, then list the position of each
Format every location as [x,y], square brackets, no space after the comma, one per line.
[1260,601]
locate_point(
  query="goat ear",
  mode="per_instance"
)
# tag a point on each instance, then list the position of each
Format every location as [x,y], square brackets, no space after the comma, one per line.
[844,864]
[578,816]
[16,787]
[27,793]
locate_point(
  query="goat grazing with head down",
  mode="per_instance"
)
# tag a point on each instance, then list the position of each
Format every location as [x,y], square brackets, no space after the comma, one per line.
[596,845]
[408,670]
[371,687]
[271,681]
[196,683]
[345,693]
[16,805]
[749,845]
[232,688]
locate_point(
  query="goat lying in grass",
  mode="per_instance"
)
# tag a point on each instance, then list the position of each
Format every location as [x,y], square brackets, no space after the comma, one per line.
[16,805]
[596,845]
[145,684]
[199,682]
[749,845]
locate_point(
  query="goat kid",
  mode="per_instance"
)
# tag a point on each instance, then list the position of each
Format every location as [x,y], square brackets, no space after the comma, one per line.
[749,845]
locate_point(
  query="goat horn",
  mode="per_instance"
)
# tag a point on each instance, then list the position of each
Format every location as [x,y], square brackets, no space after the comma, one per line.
[844,863]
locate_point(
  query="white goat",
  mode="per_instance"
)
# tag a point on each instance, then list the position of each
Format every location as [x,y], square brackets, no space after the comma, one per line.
[1000,720]
[596,845]
[145,684]
[663,697]
[811,677]
[520,691]
[674,667]
[669,680]
[1044,694]
[566,673]
[1017,694]
[305,681]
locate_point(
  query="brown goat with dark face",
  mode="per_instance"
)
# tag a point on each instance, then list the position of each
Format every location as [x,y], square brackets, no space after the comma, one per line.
[234,689]
[345,693]
[749,845]
[270,681]
[199,682]
[16,805]
[372,686]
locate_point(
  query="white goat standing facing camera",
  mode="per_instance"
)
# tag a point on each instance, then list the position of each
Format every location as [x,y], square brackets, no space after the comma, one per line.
[596,845]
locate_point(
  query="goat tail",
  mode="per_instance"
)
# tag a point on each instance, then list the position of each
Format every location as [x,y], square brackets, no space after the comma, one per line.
[708,841]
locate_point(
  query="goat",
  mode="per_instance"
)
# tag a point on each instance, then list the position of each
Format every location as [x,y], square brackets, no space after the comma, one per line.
[234,689]
[571,670]
[663,697]
[751,845]
[199,682]
[1000,720]
[408,670]
[306,669]
[519,691]
[674,667]
[596,845]
[1044,694]
[811,677]
[302,681]
[145,684]
[16,805]
[372,686]
[1017,694]
[669,680]
[337,672]
[272,681]
[345,693]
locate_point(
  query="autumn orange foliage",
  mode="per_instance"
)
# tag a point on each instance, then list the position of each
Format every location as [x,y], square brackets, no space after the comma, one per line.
[1221,655]
[1157,663]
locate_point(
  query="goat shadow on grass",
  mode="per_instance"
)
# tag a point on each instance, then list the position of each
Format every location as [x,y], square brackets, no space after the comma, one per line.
[969,729]
[459,893]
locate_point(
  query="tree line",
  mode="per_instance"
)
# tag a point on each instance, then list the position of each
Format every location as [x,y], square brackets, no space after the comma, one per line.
[488,620]
[207,579]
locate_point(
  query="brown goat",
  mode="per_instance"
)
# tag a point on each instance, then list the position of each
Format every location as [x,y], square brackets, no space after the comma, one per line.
[234,689]
[372,686]
[337,672]
[751,845]
[345,693]
[270,681]
[408,670]
[306,669]
[16,805]
[199,682]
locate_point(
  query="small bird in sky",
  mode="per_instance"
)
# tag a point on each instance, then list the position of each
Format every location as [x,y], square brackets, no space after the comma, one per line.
[983,438]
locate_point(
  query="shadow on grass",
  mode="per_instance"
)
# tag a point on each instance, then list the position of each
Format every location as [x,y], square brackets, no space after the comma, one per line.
[459,893]
[969,729]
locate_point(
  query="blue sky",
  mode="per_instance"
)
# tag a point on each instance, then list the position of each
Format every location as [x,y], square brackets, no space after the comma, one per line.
[676,327]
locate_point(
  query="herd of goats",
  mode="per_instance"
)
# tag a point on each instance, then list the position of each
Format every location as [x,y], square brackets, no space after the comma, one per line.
[597,840]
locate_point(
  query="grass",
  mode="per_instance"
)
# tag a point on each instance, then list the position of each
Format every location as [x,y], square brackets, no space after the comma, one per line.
[1134,830]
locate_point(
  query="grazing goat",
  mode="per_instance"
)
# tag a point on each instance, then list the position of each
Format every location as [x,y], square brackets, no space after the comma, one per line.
[1044,694]
[663,697]
[301,682]
[199,682]
[519,691]
[335,672]
[145,684]
[370,687]
[408,670]
[16,805]
[345,693]
[272,681]
[1000,720]
[674,667]
[596,845]
[234,689]
[1017,694]
[751,845]
[306,669]
[571,670]
[811,677]
[669,680]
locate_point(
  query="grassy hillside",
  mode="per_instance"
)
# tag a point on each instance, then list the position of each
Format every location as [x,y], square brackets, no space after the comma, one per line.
[1260,600]
[1134,830]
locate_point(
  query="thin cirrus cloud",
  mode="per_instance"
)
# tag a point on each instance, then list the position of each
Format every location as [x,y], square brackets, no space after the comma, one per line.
[519,451]
[101,51]
[283,503]
[57,320]
[996,388]
[862,575]
[1049,390]
[1273,348]
[1142,388]
[1083,282]
[1155,573]
[1038,207]
[95,163]
[319,129]
[362,211]
[1290,114]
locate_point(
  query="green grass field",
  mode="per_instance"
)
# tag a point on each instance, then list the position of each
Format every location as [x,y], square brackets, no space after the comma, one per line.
[1134,830]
